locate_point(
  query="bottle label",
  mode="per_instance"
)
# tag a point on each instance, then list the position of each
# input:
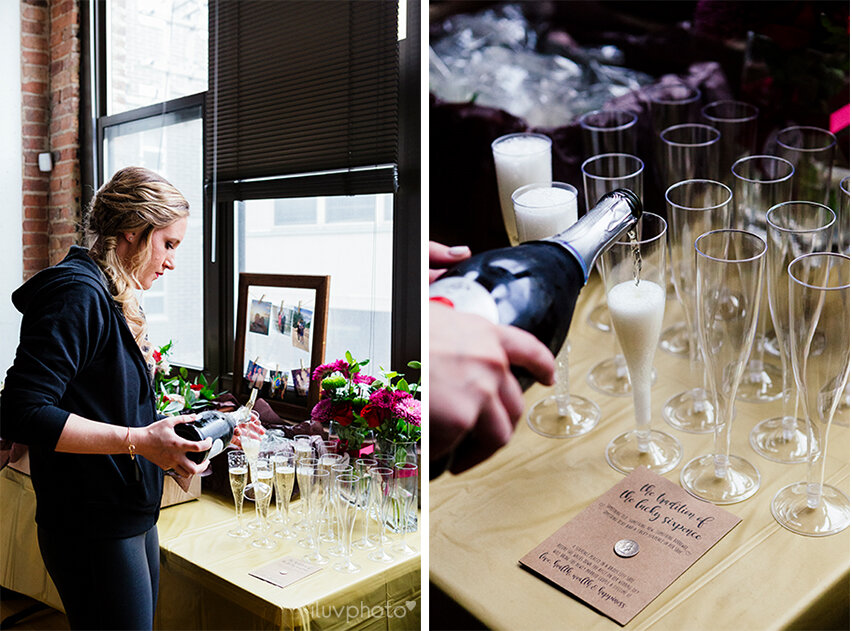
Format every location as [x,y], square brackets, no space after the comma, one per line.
[464,294]
[217,448]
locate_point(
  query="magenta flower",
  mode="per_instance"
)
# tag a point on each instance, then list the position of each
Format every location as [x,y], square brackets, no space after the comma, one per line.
[382,399]
[322,411]
[341,366]
[367,380]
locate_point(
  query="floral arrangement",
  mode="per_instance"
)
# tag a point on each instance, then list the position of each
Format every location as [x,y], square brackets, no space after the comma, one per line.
[178,394]
[359,403]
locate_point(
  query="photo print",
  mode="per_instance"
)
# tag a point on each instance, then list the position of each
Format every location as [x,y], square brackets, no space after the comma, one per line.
[301,381]
[259,317]
[301,333]
[283,318]
[278,384]
[255,375]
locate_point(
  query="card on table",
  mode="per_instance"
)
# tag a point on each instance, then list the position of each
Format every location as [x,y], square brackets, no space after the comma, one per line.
[631,543]
[284,572]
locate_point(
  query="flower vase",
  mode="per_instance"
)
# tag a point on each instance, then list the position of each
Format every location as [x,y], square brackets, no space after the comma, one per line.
[349,439]
[401,451]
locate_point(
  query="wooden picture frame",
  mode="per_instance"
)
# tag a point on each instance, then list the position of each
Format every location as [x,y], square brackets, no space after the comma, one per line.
[281,330]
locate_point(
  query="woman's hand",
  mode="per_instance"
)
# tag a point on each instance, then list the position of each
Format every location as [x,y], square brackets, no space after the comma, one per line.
[442,256]
[159,443]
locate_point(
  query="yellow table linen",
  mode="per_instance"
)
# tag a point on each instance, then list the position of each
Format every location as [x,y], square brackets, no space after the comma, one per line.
[760,576]
[204,573]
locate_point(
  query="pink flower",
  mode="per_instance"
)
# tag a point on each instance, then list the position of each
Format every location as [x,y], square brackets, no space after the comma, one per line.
[341,366]
[365,379]
[407,408]
[382,399]
[322,411]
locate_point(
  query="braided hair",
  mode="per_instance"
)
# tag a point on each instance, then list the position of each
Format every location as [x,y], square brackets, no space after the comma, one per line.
[134,200]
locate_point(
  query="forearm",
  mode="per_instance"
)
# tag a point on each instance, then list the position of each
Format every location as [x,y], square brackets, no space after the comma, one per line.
[83,436]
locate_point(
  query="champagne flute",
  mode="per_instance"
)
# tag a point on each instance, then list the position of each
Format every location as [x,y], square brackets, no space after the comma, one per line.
[338,470]
[729,276]
[406,475]
[383,481]
[635,274]
[326,462]
[695,207]
[542,210]
[304,478]
[842,245]
[260,492]
[760,182]
[819,344]
[690,151]
[238,474]
[319,494]
[285,479]
[519,159]
[793,229]
[603,174]
[346,499]
[364,489]
[607,131]
[811,150]
[737,123]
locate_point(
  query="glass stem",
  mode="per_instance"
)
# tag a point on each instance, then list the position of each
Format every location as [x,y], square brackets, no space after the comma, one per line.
[563,388]
[722,435]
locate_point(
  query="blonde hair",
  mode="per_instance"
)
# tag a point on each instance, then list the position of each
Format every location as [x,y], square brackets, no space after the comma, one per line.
[134,200]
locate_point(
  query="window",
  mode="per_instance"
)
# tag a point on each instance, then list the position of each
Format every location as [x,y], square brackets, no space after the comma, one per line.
[294,211]
[156,51]
[356,259]
[169,144]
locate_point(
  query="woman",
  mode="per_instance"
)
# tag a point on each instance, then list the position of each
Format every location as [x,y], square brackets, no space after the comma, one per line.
[80,396]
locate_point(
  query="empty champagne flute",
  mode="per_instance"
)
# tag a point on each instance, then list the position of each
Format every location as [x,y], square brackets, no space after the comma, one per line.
[819,343]
[336,471]
[695,207]
[635,275]
[793,229]
[363,497]
[326,462]
[608,131]
[238,475]
[841,241]
[760,182]
[285,478]
[601,175]
[729,274]
[346,498]
[383,481]
[304,478]
[811,150]
[406,475]
[737,123]
[690,151]
[519,159]
[319,495]
[260,492]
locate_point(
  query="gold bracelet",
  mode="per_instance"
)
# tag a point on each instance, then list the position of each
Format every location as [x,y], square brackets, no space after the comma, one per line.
[130,446]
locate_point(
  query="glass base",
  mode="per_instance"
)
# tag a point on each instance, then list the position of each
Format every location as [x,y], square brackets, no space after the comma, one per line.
[790,509]
[762,385]
[347,568]
[317,558]
[241,533]
[740,482]
[599,318]
[336,551]
[663,452]
[266,543]
[611,378]
[553,417]
[404,550]
[363,545]
[381,556]
[770,440]
[690,411]
[675,340]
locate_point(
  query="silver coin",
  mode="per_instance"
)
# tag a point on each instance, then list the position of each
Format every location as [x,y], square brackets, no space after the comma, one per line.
[626,548]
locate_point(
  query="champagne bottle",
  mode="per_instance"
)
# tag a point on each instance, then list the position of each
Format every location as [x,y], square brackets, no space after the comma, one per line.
[211,424]
[534,285]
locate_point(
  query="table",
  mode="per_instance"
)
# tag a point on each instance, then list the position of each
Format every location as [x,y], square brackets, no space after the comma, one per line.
[760,576]
[204,580]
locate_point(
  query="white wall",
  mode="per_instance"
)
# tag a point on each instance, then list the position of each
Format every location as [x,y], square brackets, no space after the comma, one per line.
[11,252]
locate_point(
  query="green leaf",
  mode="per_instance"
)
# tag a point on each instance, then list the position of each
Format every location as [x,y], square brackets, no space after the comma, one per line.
[201,379]
[183,372]
[402,384]
[364,363]
[349,357]
[414,364]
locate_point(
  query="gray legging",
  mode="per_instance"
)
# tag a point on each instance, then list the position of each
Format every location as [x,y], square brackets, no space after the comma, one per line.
[104,583]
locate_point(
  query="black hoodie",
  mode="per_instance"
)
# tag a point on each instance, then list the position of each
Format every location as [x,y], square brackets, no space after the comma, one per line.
[77,354]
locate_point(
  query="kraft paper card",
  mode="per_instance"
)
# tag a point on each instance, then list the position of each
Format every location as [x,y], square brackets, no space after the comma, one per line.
[624,549]
[284,572]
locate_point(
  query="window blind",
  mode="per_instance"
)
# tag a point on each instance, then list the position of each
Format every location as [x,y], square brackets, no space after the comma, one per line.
[303,86]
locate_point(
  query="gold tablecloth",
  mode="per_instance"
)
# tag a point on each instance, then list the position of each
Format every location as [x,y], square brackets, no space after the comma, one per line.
[760,576]
[204,574]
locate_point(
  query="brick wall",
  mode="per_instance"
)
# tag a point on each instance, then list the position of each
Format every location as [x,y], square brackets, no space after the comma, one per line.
[50,87]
